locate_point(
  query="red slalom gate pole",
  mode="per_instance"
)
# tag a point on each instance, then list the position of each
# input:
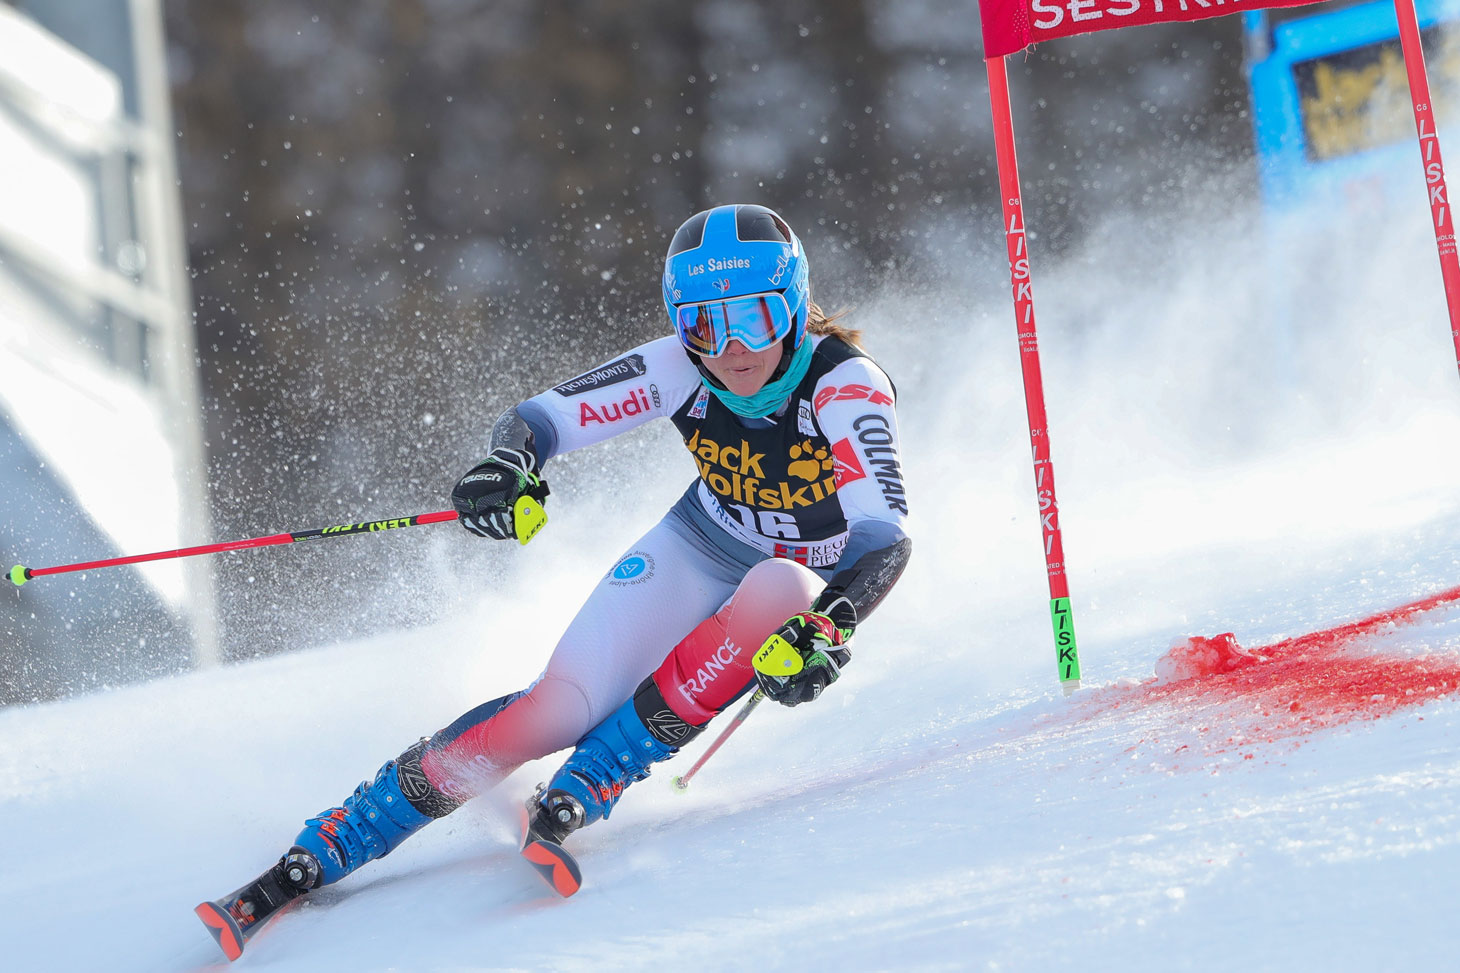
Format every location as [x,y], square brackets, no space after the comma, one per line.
[20,574]
[1067,652]
[1429,147]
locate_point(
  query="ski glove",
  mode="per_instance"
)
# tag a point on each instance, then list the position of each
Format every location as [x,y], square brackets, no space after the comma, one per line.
[807,653]
[484,498]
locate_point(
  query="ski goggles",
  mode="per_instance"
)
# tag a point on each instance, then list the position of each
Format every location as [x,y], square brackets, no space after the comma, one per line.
[757,320]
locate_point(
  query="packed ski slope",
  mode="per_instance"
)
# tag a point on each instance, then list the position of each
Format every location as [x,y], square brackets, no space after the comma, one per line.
[1285,474]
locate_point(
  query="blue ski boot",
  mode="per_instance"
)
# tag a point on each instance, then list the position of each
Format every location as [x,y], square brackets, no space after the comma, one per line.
[614,754]
[372,822]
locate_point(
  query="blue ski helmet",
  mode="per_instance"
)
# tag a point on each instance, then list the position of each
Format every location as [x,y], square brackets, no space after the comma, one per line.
[736,271]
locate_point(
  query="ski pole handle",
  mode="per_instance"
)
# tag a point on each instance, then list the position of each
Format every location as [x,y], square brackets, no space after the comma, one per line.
[20,574]
[681,783]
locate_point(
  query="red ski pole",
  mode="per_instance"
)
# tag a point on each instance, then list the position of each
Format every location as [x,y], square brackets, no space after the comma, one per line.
[528,511]
[681,783]
[20,574]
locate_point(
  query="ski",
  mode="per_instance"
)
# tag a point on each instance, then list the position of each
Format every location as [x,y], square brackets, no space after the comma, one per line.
[544,851]
[237,917]
[234,919]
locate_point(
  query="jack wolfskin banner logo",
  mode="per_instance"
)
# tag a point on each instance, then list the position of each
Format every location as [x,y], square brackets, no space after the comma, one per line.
[627,367]
[737,472]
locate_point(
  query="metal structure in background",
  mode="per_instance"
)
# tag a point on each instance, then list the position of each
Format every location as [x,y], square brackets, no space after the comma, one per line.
[1013,25]
[1328,101]
[1329,98]
[97,354]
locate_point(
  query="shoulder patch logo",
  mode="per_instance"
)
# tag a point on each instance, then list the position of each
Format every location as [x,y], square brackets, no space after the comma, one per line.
[848,467]
[636,567]
[622,370]
[804,421]
[702,400]
[851,392]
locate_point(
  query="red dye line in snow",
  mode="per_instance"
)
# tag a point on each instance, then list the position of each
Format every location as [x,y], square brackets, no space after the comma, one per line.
[1298,685]
[1334,637]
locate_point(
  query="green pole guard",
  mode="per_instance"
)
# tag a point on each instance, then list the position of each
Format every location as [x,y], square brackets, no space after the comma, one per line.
[19,575]
[1067,652]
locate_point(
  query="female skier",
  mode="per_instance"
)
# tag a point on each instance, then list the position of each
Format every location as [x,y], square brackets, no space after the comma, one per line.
[795,526]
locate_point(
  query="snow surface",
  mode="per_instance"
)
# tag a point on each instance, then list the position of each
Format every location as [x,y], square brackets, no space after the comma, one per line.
[943,807]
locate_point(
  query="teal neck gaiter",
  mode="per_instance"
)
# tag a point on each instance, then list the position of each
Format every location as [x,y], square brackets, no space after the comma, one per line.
[768,399]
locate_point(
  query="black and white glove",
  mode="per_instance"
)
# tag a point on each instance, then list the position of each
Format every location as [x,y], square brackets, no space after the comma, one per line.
[810,649]
[485,497]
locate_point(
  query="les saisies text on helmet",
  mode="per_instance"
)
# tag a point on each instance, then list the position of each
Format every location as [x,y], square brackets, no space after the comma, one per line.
[714,266]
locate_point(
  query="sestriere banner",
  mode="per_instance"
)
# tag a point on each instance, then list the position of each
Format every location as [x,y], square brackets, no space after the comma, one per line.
[1012,25]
